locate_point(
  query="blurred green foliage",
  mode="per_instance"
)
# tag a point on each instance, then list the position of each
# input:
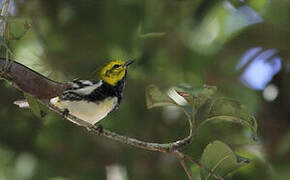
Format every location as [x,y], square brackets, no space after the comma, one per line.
[179,41]
[201,107]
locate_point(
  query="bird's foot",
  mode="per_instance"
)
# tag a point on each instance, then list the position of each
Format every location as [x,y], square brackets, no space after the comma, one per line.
[100,129]
[65,113]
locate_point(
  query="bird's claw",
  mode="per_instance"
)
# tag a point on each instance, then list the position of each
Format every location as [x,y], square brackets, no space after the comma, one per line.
[100,129]
[65,112]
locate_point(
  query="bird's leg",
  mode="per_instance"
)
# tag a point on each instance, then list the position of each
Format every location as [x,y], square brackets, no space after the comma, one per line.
[65,112]
[100,129]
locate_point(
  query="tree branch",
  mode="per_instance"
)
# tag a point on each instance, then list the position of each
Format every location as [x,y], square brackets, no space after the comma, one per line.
[180,156]
[42,89]
[166,147]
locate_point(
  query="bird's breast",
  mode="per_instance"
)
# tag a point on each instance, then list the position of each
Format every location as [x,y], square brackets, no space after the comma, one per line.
[91,112]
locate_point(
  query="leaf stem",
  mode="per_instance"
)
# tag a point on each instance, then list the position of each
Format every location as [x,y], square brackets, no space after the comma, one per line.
[203,167]
[4,14]
[180,156]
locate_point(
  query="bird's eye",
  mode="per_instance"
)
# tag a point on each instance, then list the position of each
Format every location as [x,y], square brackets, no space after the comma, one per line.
[116,66]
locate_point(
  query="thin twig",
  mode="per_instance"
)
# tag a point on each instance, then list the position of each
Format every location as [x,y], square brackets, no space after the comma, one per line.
[172,147]
[180,157]
[57,87]
[166,147]
[203,167]
[4,14]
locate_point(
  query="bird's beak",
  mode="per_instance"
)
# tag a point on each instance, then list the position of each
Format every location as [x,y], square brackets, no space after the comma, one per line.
[129,63]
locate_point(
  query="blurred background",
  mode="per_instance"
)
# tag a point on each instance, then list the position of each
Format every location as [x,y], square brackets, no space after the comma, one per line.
[240,46]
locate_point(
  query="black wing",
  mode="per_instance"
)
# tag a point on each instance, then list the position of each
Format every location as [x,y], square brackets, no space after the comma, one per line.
[89,91]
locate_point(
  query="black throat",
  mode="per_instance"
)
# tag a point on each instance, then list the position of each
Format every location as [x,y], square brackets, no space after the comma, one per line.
[118,89]
[108,90]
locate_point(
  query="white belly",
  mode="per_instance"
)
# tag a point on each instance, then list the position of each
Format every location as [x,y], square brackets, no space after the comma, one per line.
[87,111]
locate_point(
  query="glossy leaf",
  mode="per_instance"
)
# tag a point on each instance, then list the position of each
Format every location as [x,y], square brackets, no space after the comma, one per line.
[218,157]
[225,109]
[155,98]
[202,106]
[196,97]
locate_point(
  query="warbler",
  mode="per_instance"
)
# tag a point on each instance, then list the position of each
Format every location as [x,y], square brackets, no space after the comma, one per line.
[92,100]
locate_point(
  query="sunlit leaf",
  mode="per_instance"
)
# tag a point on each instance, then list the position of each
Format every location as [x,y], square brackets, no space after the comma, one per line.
[258,4]
[22,103]
[196,97]
[155,98]
[203,106]
[219,158]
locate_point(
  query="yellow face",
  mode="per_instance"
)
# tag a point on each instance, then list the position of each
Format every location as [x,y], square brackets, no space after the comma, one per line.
[114,71]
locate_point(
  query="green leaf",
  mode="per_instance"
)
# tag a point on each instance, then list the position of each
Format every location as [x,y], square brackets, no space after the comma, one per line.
[155,98]
[225,109]
[203,107]
[34,106]
[196,97]
[195,171]
[219,158]
[258,5]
